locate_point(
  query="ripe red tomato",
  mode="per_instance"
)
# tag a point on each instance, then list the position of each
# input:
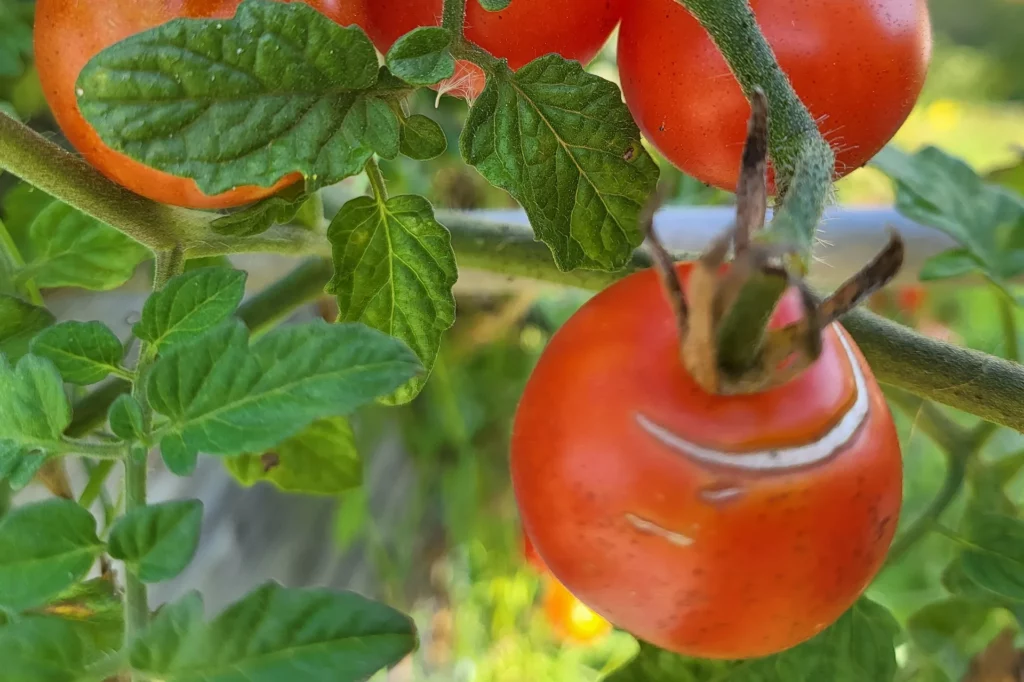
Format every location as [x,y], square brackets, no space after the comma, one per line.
[714,526]
[68,33]
[858,65]
[524,31]
[531,556]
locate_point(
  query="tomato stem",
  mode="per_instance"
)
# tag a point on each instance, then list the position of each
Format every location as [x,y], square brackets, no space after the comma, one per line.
[453,18]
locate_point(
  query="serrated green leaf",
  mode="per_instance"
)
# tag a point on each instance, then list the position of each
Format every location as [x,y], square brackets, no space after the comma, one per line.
[19,322]
[261,216]
[275,634]
[394,271]
[995,561]
[158,541]
[423,56]
[45,548]
[83,352]
[39,649]
[224,398]
[322,460]
[66,248]
[34,411]
[858,647]
[189,305]
[95,609]
[422,138]
[561,142]
[20,206]
[949,264]
[936,189]
[280,87]
[126,419]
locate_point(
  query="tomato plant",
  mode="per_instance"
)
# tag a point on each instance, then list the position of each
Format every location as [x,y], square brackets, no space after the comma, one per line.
[702,455]
[69,33]
[858,66]
[702,523]
[520,33]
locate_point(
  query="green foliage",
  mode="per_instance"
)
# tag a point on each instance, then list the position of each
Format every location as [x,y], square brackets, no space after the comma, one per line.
[422,138]
[223,397]
[83,352]
[283,88]
[936,189]
[19,322]
[279,209]
[994,560]
[158,541]
[45,548]
[274,634]
[189,305]
[47,650]
[561,142]
[34,412]
[423,57]
[857,647]
[322,460]
[127,420]
[15,37]
[394,271]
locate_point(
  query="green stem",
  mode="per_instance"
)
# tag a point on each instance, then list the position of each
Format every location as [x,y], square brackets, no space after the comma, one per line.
[93,450]
[377,182]
[97,479]
[956,464]
[453,17]
[169,263]
[6,494]
[1008,317]
[36,160]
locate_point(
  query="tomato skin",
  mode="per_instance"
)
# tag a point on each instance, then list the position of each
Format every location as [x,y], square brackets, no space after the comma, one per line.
[711,561]
[858,65]
[68,33]
[524,31]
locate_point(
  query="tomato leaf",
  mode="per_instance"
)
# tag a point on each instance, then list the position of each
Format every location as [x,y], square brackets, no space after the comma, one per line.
[394,271]
[19,322]
[34,411]
[561,142]
[126,419]
[45,548]
[996,560]
[41,649]
[190,304]
[158,541]
[15,37]
[1011,176]
[494,5]
[224,398]
[422,138]
[943,192]
[857,647]
[274,634]
[280,88]
[322,460]
[423,56]
[83,352]
[944,629]
[66,248]
[279,209]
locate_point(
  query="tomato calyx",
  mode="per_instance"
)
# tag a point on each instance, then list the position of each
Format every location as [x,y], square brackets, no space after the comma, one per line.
[716,285]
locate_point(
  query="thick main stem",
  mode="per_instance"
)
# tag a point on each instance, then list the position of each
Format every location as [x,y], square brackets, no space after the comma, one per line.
[28,155]
[453,17]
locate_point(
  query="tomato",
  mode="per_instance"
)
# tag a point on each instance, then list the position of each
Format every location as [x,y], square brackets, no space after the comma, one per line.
[68,33]
[858,65]
[912,298]
[713,526]
[524,31]
[531,556]
[570,618]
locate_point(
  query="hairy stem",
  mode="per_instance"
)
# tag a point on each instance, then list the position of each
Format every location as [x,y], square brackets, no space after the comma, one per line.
[377,182]
[36,160]
[169,263]
[453,17]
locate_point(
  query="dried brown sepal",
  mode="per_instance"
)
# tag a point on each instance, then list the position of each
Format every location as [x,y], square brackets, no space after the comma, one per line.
[752,189]
[664,263]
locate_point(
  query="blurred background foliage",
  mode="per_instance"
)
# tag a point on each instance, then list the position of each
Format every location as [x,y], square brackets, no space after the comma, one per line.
[484,614]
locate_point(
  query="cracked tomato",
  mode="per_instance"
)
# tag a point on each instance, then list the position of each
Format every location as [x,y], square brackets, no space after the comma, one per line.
[714,526]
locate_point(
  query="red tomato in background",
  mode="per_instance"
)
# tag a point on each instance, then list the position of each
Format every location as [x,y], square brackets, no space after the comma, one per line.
[524,31]
[912,298]
[531,556]
[68,33]
[717,527]
[858,65]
